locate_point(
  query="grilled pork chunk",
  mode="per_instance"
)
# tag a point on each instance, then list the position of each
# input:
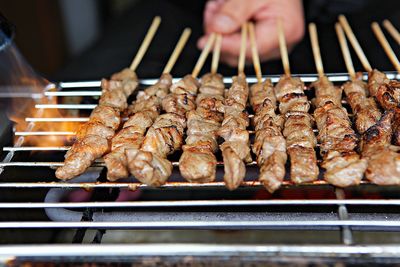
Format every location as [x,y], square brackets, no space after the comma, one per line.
[198,162]
[143,111]
[300,139]
[336,137]
[236,146]
[269,144]
[149,164]
[93,137]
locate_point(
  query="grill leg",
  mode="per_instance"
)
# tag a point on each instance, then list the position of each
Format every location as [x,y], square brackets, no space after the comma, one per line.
[346,234]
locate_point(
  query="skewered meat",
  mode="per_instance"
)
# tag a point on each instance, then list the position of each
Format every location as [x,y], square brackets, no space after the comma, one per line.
[337,139]
[149,164]
[375,80]
[383,163]
[364,109]
[387,94]
[93,137]
[269,144]
[300,139]
[145,110]
[236,147]
[198,162]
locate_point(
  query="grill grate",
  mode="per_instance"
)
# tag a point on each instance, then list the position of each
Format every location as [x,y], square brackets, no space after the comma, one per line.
[342,219]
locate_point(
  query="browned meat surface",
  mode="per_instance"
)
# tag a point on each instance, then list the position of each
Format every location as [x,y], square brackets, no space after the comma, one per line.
[236,146]
[94,128]
[198,162]
[375,80]
[343,166]
[149,164]
[383,163]
[82,154]
[94,136]
[269,144]
[300,139]
[364,109]
[143,113]
[163,138]
[107,116]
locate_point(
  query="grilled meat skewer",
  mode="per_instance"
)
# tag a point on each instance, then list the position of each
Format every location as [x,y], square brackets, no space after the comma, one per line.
[236,146]
[269,144]
[144,111]
[364,108]
[300,138]
[93,138]
[149,164]
[198,162]
[337,139]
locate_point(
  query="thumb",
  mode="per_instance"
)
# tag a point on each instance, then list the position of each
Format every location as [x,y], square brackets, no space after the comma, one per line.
[232,14]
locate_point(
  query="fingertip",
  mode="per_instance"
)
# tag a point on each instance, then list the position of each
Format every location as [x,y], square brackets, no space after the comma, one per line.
[223,24]
[201,42]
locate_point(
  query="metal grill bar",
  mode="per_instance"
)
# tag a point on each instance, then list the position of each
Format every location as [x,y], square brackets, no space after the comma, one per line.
[45,133]
[65,106]
[203,203]
[201,224]
[73,93]
[98,163]
[37,148]
[208,250]
[56,119]
[136,185]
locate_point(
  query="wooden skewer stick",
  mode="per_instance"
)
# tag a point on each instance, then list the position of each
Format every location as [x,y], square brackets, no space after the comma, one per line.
[216,54]
[177,51]
[392,30]
[146,42]
[356,45]
[243,47]
[203,56]
[386,46]
[283,48]
[345,51]
[254,52]
[315,48]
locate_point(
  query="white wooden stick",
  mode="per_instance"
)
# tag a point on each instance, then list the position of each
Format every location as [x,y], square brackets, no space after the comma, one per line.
[216,54]
[254,52]
[315,48]
[283,48]
[243,47]
[345,51]
[177,51]
[203,56]
[356,45]
[386,46]
[146,42]
[392,30]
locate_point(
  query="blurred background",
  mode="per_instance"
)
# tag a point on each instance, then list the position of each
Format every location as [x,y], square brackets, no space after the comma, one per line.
[80,40]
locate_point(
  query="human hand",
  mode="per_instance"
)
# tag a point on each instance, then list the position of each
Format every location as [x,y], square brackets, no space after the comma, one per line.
[227,16]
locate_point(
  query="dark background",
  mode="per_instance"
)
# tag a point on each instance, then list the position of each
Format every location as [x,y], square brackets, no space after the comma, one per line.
[81,40]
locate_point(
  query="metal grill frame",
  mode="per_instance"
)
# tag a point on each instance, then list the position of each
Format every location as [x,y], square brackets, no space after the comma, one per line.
[343,222]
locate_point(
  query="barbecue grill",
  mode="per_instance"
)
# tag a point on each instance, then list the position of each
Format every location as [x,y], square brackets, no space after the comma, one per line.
[312,208]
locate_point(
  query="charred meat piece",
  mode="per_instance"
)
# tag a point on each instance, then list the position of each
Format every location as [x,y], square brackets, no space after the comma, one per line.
[383,163]
[364,109]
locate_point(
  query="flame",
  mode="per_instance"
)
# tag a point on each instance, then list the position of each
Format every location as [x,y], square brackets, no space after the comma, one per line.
[53,140]
[19,76]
